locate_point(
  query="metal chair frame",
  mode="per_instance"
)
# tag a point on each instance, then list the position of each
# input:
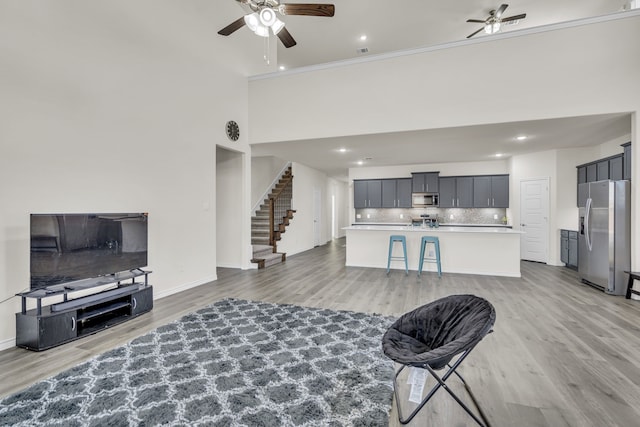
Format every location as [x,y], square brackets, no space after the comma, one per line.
[441,383]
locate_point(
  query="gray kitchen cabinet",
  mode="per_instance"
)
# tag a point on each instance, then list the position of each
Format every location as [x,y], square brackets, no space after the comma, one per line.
[569,248]
[616,168]
[564,246]
[396,193]
[592,172]
[491,191]
[464,191]
[582,174]
[403,192]
[481,191]
[626,169]
[573,249]
[360,194]
[374,193]
[500,191]
[389,199]
[448,195]
[456,192]
[602,170]
[425,182]
[367,193]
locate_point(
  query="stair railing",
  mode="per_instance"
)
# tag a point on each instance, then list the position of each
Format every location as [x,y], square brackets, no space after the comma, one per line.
[279,206]
[262,198]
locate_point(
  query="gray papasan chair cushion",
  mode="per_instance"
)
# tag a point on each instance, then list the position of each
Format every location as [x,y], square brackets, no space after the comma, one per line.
[434,333]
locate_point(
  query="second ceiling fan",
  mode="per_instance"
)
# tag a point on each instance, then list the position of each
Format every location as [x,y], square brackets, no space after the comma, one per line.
[493,22]
[264,18]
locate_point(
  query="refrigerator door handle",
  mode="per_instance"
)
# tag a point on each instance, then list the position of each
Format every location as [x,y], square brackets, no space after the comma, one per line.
[587,226]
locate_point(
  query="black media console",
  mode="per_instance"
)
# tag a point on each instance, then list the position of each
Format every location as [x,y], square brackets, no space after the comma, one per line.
[47,326]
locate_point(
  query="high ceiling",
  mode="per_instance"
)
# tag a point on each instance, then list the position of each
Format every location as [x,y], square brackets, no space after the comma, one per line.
[395,25]
[406,24]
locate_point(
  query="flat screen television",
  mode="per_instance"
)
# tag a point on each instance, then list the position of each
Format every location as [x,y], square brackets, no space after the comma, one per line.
[70,247]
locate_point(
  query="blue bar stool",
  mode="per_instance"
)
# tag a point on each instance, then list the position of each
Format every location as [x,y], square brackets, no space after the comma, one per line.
[403,240]
[436,260]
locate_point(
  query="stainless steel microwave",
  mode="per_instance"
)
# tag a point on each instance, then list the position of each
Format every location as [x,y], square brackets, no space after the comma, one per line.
[424,200]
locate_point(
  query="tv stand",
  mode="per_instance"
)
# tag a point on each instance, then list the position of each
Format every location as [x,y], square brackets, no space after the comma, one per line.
[48,326]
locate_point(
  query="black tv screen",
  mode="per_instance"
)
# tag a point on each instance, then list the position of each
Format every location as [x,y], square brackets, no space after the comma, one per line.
[69,247]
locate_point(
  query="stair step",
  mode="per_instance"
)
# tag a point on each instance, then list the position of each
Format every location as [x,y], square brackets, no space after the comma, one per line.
[262,251]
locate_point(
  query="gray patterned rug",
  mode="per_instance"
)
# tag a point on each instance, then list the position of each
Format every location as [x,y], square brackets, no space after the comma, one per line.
[233,363]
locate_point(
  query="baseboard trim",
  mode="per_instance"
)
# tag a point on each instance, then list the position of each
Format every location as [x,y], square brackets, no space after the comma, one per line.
[158,295]
[8,343]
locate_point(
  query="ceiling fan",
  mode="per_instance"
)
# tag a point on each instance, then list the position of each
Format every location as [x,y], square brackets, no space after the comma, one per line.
[494,20]
[264,17]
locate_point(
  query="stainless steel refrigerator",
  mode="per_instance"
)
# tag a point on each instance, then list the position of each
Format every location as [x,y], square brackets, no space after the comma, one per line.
[604,247]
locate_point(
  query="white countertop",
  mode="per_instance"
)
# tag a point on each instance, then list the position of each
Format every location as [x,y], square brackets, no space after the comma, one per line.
[441,229]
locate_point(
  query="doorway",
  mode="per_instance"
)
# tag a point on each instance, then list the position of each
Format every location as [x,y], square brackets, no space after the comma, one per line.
[317,209]
[534,219]
[228,199]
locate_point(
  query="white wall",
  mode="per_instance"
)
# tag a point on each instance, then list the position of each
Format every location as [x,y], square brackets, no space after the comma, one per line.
[113,107]
[263,172]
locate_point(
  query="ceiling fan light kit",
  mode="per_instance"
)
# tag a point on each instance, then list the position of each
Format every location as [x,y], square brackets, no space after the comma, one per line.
[265,17]
[494,22]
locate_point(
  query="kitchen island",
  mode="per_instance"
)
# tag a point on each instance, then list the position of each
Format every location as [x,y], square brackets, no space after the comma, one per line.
[491,251]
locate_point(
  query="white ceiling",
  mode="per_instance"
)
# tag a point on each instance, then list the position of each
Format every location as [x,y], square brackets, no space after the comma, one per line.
[406,24]
[460,144]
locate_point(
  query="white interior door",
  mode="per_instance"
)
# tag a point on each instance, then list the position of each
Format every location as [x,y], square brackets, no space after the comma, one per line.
[317,209]
[534,219]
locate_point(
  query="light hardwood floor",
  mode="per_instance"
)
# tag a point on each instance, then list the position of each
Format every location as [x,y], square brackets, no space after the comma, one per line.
[562,353]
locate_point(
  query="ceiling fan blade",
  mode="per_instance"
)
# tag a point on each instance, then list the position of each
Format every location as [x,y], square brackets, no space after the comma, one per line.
[286,38]
[479,21]
[500,10]
[474,33]
[234,26]
[309,9]
[514,18]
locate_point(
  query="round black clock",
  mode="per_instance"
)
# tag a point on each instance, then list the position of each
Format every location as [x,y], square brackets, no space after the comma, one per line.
[233,130]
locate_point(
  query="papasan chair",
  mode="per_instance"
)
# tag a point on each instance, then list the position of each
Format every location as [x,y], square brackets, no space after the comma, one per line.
[430,336]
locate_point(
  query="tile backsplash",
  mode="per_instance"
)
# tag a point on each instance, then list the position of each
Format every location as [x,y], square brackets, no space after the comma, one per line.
[444,215]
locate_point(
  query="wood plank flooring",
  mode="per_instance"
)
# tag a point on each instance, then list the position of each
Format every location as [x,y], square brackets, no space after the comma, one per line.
[562,353]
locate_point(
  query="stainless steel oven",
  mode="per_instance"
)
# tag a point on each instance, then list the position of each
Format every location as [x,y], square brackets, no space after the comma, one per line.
[424,200]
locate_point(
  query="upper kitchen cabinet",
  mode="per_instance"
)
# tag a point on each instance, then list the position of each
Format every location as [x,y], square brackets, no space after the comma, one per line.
[396,193]
[367,193]
[614,168]
[456,192]
[491,191]
[608,168]
[626,168]
[403,192]
[425,182]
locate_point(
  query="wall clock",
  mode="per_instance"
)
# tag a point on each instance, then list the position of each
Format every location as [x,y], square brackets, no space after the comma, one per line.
[233,130]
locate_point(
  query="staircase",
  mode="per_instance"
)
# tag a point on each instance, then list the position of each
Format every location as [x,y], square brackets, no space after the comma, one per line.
[270,221]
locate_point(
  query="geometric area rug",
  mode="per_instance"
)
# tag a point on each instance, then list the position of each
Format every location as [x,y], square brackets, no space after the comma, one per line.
[233,363]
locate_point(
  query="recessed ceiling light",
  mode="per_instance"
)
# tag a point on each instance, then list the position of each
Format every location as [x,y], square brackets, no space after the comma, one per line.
[342,150]
[499,154]
[521,137]
[363,37]
[360,162]
[282,68]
